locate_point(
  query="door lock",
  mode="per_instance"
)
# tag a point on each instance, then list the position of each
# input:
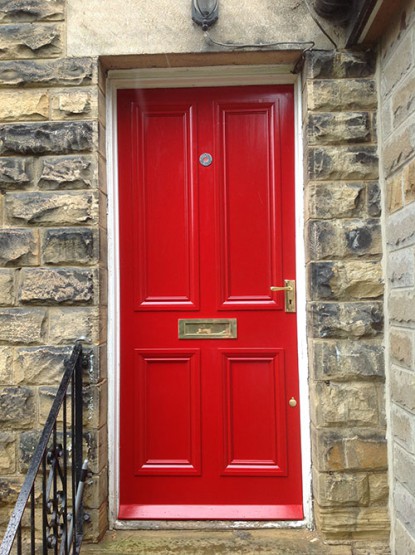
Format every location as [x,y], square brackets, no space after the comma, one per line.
[289,289]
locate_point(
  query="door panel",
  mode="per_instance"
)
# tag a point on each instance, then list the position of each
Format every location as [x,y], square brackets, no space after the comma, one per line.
[206,429]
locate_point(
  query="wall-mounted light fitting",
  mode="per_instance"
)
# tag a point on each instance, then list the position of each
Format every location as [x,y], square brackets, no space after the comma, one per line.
[205,12]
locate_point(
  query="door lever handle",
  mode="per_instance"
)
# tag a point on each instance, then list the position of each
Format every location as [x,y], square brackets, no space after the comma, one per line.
[289,289]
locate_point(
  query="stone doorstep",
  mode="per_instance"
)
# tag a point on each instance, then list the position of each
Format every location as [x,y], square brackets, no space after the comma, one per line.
[215,542]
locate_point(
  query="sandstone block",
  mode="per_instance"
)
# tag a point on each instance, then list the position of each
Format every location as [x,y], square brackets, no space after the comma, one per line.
[409,182]
[346,404]
[75,103]
[394,193]
[23,105]
[402,385]
[18,247]
[97,490]
[6,287]
[335,200]
[17,407]
[403,427]
[341,489]
[404,506]
[350,280]
[22,326]
[69,324]
[97,443]
[342,163]
[404,468]
[403,101]
[404,541]
[68,172]
[347,360]
[353,523]
[95,405]
[401,268]
[402,307]
[70,246]
[40,365]
[400,228]
[31,10]
[338,65]
[397,66]
[337,95]
[52,208]
[328,128]
[30,41]
[401,346]
[7,453]
[6,366]
[49,73]
[15,173]
[379,488]
[47,138]
[337,452]
[27,446]
[46,396]
[399,148]
[9,492]
[56,286]
[373,200]
[343,239]
[347,320]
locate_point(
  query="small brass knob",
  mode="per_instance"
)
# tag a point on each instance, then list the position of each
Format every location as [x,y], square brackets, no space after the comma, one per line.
[292,402]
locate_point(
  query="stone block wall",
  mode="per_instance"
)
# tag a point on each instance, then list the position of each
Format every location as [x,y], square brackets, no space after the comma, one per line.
[51,230]
[397,107]
[345,297]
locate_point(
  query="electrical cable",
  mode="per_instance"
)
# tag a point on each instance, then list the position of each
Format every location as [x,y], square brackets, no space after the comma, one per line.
[235,45]
[317,22]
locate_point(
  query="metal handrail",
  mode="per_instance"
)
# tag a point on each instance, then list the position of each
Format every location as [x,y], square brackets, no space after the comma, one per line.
[62,529]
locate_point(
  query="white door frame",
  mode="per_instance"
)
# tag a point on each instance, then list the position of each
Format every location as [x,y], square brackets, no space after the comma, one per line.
[199,77]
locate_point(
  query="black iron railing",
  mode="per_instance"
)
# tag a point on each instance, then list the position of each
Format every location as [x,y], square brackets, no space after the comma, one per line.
[48,516]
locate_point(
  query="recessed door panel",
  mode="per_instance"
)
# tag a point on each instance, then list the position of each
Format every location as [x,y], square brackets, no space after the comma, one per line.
[255,427]
[208,353]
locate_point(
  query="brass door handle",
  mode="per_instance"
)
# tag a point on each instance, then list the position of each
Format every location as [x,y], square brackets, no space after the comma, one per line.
[289,289]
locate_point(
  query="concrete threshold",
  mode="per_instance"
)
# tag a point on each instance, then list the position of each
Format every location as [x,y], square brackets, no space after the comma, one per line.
[213,542]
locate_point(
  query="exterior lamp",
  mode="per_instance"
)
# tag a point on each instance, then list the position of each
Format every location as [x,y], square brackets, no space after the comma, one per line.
[205,12]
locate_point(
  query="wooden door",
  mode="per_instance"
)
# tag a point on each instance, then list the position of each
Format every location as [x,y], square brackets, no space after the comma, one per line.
[208,353]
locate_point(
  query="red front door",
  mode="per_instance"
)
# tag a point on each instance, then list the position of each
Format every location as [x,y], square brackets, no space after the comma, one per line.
[208,353]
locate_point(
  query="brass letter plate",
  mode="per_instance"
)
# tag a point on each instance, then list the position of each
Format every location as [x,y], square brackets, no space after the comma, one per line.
[210,328]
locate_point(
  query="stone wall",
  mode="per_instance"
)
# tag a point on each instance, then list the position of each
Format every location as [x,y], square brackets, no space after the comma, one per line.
[50,237]
[397,98]
[345,307]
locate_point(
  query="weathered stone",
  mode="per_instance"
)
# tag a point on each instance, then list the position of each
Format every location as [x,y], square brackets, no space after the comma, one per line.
[399,149]
[342,162]
[336,452]
[345,320]
[27,447]
[68,172]
[6,366]
[400,228]
[340,64]
[401,268]
[97,491]
[67,325]
[18,247]
[23,105]
[335,200]
[95,405]
[403,427]
[340,489]
[339,128]
[47,138]
[344,523]
[6,287]
[409,182]
[394,193]
[403,101]
[397,66]
[404,502]
[30,41]
[17,407]
[75,103]
[97,444]
[347,360]
[379,488]
[48,73]
[22,325]
[373,199]
[402,307]
[401,346]
[404,468]
[335,95]
[402,385]
[52,208]
[47,395]
[56,286]
[73,246]
[7,453]
[31,10]
[341,239]
[346,280]
[40,365]
[9,491]
[346,404]
[404,542]
[15,173]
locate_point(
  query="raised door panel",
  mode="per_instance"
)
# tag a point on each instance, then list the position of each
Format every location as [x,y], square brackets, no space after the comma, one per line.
[167,412]
[165,209]
[249,206]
